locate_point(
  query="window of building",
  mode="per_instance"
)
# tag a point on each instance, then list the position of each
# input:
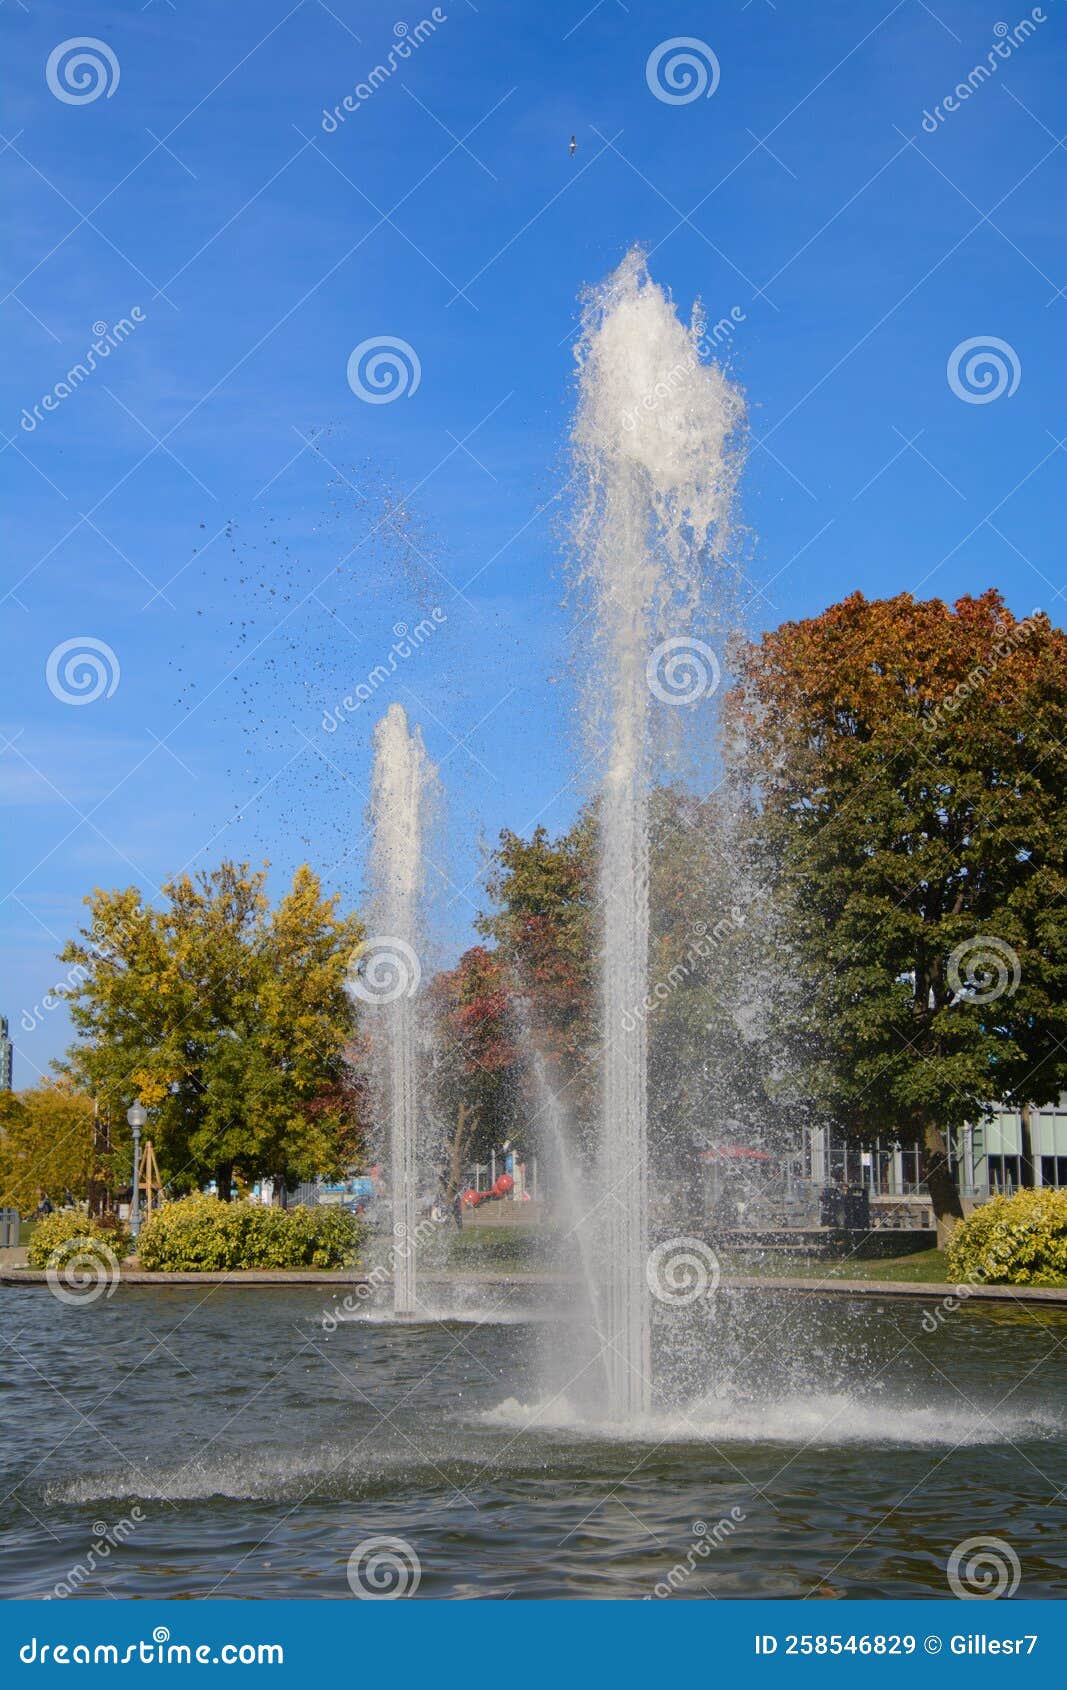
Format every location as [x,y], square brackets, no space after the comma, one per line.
[1004,1172]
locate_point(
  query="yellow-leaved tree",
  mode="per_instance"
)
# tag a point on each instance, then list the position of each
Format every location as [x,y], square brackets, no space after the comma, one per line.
[229,1020]
[46,1145]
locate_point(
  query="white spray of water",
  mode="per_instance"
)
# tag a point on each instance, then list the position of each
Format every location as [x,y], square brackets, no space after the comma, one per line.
[403,781]
[655,450]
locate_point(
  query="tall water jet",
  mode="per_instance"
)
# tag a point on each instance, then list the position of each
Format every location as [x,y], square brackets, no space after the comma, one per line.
[656,458]
[389,968]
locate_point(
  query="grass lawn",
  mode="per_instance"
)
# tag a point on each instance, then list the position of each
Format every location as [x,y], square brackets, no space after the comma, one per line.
[505,1247]
[925,1265]
[500,1246]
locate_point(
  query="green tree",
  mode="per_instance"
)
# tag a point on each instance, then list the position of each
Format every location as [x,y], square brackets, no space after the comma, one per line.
[909,774]
[228,1019]
[544,929]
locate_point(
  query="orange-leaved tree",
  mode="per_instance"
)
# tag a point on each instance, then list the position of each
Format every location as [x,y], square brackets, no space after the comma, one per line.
[908,773]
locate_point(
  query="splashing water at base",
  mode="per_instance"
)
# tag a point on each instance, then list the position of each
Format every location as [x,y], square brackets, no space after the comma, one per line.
[655,449]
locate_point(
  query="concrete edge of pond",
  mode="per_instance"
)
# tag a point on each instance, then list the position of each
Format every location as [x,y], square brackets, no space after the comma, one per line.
[267,1279]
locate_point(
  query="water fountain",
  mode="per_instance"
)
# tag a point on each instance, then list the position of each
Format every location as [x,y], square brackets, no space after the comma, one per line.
[656,457]
[389,969]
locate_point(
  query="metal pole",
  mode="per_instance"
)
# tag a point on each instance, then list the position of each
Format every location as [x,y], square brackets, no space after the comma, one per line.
[135,1206]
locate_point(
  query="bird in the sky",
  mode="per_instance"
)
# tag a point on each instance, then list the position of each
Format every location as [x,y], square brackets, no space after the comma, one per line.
[574,146]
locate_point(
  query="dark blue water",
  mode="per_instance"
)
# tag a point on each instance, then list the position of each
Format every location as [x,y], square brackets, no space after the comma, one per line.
[213,1441]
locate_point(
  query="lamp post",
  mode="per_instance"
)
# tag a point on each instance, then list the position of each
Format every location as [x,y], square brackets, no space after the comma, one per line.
[136,1115]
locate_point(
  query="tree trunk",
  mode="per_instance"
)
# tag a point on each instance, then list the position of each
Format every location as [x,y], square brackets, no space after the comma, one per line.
[457,1150]
[99,1194]
[941,1181]
[223,1177]
[1026,1147]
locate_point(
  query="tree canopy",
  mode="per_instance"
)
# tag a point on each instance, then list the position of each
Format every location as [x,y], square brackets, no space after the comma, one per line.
[227,1018]
[476,1075]
[907,766]
[46,1145]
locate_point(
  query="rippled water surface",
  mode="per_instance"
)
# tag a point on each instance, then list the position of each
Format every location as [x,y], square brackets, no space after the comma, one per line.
[232,1445]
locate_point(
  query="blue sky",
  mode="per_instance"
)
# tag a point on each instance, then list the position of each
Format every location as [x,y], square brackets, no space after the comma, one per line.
[218,507]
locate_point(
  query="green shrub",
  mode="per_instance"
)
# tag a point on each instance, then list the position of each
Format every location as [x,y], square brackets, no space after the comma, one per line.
[58,1228]
[1020,1240]
[200,1234]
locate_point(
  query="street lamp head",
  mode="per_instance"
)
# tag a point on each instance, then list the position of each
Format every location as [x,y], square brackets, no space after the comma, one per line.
[137,1115]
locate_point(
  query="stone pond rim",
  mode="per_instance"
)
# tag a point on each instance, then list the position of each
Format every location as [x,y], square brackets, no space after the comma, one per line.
[268,1278]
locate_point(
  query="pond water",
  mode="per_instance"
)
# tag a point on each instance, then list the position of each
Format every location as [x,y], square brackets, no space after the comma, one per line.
[218,1441]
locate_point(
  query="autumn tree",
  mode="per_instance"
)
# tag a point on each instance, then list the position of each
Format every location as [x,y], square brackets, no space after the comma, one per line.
[46,1145]
[908,770]
[712,1058]
[476,1078]
[544,929]
[228,1019]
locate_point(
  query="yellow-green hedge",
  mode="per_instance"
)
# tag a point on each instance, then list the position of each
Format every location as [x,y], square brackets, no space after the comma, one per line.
[1020,1240]
[200,1234]
[62,1225]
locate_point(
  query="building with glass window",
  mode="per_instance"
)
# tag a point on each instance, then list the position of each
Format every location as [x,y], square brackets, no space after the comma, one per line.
[989,1159]
[989,1156]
